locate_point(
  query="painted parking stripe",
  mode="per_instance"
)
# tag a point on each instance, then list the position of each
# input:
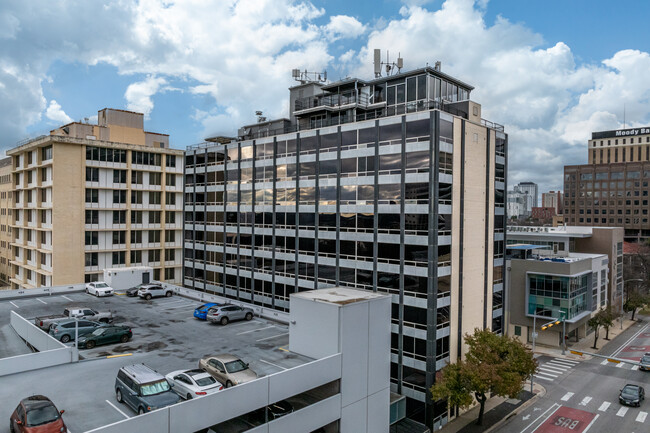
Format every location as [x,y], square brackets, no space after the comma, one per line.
[585,401]
[567,396]
[12,303]
[542,377]
[42,301]
[603,407]
[273,336]
[117,409]
[544,371]
[253,330]
[641,416]
[568,361]
[64,296]
[635,367]
[270,363]
[621,412]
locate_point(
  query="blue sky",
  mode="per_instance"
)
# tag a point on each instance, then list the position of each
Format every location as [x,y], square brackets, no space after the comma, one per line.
[550,71]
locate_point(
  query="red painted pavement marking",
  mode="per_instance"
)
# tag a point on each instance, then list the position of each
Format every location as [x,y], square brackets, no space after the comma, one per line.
[645,334]
[636,349]
[566,420]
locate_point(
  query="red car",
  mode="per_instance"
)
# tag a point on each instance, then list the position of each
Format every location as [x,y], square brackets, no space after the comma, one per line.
[37,414]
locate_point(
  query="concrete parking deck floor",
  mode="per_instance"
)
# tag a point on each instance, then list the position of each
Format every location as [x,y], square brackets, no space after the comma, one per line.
[165,336]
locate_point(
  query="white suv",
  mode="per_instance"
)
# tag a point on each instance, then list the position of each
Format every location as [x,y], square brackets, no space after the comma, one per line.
[99,288]
[149,291]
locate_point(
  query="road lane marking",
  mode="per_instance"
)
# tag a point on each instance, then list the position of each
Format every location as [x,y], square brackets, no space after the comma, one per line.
[585,401]
[641,416]
[544,371]
[591,423]
[542,377]
[554,405]
[605,362]
[117,409]
[270,363]
[64,296]
[635,367]
[256,329]
[621,412]
[619,365]
[273,336]
[12,303]
[40,300]
[567,396]
[624,345]
[603,407]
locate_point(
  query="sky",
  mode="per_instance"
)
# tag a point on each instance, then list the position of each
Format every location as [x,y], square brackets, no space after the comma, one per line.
[551,72]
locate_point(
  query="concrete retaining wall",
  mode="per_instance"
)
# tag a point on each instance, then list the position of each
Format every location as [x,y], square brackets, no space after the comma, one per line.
[41,291]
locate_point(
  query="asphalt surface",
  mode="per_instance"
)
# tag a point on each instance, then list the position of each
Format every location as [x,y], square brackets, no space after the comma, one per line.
[165,336]
[582,395]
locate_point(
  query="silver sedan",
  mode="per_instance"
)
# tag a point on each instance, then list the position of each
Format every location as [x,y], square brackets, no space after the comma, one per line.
[190,384]
[227,313]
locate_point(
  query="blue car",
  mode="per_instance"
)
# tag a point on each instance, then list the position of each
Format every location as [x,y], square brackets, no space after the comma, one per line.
[202,311]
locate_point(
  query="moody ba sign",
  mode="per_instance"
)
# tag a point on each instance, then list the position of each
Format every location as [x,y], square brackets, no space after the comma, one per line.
[620,133]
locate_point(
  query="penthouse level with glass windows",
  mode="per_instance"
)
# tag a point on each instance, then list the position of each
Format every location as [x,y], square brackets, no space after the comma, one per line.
[407,199]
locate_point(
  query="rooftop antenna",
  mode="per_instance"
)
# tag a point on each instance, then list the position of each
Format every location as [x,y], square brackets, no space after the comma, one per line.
[309,77]
[388,65]
[623,116]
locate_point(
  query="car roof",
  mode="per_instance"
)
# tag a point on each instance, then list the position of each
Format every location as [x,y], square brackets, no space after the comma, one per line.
[224,357]
[196,372]
[145,286]
[36,401]
[142,373]
[629,385]
[66,321]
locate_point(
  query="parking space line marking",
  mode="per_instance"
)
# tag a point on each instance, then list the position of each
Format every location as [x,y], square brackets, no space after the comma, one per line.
[603,407]
[12,303]
[641,416]
[545,378]
[257,329]
[270,363]
[567,396]
[591,423]
[585,401]
[117,409]
[635,367]
[40,300]
[622,411]
[283,349]
[273,336]
[64,296]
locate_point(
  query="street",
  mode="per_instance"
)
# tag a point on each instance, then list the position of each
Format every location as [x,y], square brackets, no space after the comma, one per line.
[582,395]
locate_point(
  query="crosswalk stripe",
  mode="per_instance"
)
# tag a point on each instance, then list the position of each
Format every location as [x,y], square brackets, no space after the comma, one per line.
[641,416]
[547,374]
[585,401]
[603,407]
[605,362]
[635,367]
[568,361]
[553,368]
[559,365]
[619,365]
[565,364]
[567,396]
[545,378]
[621,412]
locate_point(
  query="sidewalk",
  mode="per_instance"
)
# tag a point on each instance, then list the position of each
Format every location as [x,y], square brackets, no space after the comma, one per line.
[497,411]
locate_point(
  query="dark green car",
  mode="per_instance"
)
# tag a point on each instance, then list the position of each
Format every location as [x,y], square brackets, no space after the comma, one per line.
[105,335]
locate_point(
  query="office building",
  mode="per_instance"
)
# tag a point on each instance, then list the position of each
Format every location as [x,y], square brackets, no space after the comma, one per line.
[543,213]
[394,185]
[565,240]
[6,212]
[529,188]
[89,197]
[518,203]
[612,189]
[553,199]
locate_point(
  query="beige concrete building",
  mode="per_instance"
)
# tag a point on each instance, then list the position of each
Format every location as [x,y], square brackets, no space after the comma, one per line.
[90,197]
[6,212]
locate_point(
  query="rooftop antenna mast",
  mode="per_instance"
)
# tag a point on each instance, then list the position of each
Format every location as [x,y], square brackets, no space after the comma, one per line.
[309,77]
[390,67]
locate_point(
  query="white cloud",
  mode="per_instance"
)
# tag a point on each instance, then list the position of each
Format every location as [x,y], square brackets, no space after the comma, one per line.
[55,113]
[343,26]
[138,95]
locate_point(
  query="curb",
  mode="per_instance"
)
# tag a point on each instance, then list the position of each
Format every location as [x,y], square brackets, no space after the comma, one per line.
[524,406]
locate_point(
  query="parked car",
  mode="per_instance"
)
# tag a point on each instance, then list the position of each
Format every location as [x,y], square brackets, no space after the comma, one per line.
[148,291]
[191,383]
[632,395]
[99,288]
[227,369]
[227,313]
[133,291]
[106,334]
[202,311]
[36,414]
[45,322]
[64,330]
[143,389]
[270,412]
[644,364]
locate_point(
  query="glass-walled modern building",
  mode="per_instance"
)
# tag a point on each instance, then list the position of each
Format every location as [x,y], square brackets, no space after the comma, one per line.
[402,195]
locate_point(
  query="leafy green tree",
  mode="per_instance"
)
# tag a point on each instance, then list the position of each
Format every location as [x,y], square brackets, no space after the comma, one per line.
[634,301]
[493,365]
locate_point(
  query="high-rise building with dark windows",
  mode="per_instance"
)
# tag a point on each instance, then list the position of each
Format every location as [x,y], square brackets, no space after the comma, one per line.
[393,185]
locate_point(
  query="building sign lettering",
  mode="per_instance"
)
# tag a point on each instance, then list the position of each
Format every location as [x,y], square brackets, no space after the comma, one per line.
[620,133]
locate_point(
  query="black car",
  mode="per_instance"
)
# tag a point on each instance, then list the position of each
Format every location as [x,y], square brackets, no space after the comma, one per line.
[632,395]
[133,291]
[644,364]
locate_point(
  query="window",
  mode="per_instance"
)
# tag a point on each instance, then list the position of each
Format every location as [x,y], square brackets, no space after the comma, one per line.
[154,217]
[136,237]
[92,217]
[170,236]
[119,257]
[119,176]
[92,238]
[170,198]
[136,257]
[46,153]
[145,158]
[170,255]
[169,273]
[170,179]
[170,217]
[136,177]
[170,160]
[92,196]
[44,195]
[44,176]
[154,197]
[136,217]
[154,256]
[154,236]
[136,197]
[119,237]
[119,217]
[154,178]
[92,259]
[119,196]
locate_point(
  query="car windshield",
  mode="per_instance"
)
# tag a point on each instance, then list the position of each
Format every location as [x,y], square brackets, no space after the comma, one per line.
[630,392]
[203,307]
[235,366]
[205,381]
[646,358]
[154,387]
[41,415]
[101,285]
